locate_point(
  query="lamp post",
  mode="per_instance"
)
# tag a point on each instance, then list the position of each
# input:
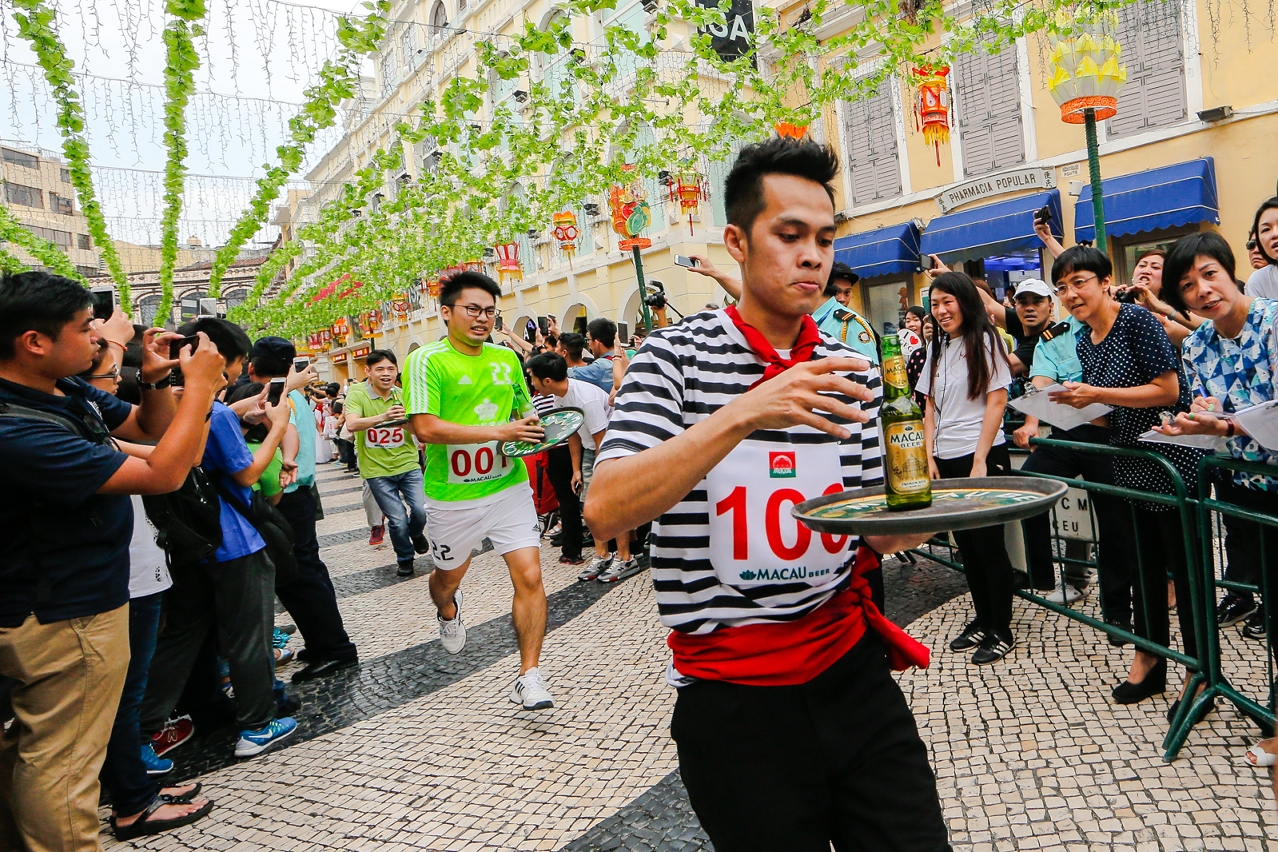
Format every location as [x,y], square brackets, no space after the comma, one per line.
[1086,75]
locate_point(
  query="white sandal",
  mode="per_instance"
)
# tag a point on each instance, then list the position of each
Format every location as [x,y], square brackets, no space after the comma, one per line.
[1259,757]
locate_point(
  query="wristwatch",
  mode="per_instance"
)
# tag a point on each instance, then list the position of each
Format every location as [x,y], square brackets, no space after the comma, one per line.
[160,385]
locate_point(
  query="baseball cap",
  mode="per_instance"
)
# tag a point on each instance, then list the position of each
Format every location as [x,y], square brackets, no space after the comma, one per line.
[1035,286]
[276,348]
[841,271]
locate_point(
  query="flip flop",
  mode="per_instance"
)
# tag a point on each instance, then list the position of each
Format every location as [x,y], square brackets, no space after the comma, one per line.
[144,825]
[1260,757]
[185,798]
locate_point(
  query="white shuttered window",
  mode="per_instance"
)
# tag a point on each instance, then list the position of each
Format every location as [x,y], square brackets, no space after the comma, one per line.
[988,95]
[869,133]
[1150,33]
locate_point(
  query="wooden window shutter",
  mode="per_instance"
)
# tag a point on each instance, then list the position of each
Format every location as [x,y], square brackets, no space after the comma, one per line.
[1150,33]
[869,130]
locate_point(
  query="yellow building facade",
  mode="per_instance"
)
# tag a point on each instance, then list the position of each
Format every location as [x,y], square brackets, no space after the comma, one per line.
[1189,148]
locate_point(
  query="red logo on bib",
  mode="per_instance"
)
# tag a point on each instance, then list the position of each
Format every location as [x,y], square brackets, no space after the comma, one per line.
[781,465]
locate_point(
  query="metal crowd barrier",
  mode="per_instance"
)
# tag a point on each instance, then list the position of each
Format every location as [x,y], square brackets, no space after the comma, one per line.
[1202,614]
[1212,511]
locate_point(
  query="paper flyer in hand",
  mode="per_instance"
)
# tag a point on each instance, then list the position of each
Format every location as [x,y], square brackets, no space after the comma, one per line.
[1200,442]
[1261,423]
[1036,403]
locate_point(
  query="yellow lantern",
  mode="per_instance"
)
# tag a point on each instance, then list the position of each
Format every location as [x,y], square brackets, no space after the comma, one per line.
[566,232]
[688,188]
[1085,71]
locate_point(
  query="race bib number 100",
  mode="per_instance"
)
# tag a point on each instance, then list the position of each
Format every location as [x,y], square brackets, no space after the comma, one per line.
[754,540]
[472,463]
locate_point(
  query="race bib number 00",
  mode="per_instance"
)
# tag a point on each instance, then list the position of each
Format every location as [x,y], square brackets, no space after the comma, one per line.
[754,540]
[385,437]
[472,463]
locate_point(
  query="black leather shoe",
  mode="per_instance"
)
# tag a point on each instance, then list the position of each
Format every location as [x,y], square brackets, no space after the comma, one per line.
[421,544]
[969,638]
[323,668]
[405,568]
[1155,683]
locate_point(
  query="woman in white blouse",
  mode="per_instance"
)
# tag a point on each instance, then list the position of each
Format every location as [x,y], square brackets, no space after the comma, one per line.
[965,381]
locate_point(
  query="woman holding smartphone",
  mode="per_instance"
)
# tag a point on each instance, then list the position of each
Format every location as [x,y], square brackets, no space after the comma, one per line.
[965,381]
[1130,364]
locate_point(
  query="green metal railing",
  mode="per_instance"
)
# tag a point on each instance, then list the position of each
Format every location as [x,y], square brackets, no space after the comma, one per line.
[1180,501]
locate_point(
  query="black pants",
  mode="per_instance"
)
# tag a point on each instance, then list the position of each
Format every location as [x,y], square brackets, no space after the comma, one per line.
[1244,540]
[985,559]
[1114,556]
[310,598]
[796,768]
[238,597]
[1160,537]
[345,452]
[559,469]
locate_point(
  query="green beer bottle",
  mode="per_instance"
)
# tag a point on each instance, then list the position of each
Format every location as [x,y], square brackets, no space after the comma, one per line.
[907,484]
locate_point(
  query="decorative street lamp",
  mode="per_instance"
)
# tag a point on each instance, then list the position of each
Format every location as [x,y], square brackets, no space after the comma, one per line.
[1086,75]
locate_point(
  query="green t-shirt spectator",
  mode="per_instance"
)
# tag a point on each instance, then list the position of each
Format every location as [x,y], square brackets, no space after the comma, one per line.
[269,482]
[383,450]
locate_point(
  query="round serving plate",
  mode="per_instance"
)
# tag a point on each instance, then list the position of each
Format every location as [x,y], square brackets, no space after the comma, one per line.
[957,504]
[559,423]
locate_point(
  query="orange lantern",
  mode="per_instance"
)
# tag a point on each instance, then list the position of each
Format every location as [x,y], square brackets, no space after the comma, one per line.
[473,266]
[688,188]
[932,111]
[341,331]
[508,265]
[786,130]
[630,212]
[399,306]
[370,323]
[566,232]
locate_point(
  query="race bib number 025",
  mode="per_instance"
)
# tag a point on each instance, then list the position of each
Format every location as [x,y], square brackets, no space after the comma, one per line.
[472,463]
[385,437]
[754,540]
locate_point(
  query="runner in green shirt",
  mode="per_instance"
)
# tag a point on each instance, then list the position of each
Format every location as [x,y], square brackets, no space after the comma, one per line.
[462,393]
[388,455]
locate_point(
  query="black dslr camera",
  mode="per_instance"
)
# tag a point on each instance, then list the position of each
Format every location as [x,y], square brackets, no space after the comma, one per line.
[656,298]
[1125,295]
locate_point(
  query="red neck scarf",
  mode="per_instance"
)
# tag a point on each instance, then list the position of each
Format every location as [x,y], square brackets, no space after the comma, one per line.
[809,337]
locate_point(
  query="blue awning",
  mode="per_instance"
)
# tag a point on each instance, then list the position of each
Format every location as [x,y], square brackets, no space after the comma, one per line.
[991,229]
[1154,200]
[893,250]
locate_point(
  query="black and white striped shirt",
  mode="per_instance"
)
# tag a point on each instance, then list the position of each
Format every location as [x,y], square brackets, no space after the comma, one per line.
[681,376]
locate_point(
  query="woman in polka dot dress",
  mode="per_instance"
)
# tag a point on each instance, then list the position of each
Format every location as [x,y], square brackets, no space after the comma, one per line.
[1130,364]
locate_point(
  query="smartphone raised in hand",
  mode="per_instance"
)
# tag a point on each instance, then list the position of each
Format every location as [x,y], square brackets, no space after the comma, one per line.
[497,323]
[687,262]
[275,391]
[300,364]
[623,333]
[176,347]
[926,261]
[103,302]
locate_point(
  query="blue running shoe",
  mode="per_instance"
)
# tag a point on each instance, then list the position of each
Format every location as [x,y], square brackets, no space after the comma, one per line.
[155,765]
[255,742]
[280,639]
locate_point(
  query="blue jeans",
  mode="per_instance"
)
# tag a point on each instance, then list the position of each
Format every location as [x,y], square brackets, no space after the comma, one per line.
[123,773]
[393,494]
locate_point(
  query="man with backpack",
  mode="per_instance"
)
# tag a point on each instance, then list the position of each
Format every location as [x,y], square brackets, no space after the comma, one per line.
[68,520]
[308,597]
[234,589]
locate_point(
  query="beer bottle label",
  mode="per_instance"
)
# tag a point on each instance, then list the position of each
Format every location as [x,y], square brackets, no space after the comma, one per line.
[906,458]
[894,374]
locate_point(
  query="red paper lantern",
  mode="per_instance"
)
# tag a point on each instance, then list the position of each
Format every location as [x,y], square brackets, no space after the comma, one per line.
[688,188]
[566,232]
[508,266]
[932,110]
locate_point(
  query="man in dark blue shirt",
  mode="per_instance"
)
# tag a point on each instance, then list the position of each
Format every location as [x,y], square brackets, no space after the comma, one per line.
[64,581]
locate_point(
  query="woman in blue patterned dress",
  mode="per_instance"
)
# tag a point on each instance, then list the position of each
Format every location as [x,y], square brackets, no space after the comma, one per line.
[1231,362]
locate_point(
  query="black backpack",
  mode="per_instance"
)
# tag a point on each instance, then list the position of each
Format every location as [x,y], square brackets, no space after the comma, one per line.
[188,522]
[272,526]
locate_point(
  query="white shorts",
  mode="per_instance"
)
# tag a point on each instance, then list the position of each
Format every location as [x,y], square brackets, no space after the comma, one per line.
[508,519]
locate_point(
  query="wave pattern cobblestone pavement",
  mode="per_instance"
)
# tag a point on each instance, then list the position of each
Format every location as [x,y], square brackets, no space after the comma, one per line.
[418,750]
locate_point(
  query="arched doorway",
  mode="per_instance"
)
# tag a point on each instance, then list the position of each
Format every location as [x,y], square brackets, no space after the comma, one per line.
[575,319]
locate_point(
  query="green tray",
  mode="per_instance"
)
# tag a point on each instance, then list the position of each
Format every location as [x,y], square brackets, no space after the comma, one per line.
[957,504]
[560,424]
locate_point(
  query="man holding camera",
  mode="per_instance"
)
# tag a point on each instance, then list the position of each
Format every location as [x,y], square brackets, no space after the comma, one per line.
[64,581]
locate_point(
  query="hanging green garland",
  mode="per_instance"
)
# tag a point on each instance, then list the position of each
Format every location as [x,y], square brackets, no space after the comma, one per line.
[36,26]
[48,254]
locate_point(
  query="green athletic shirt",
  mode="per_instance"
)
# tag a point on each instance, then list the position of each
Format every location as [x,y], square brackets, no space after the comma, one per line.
[383,450]
[470,390]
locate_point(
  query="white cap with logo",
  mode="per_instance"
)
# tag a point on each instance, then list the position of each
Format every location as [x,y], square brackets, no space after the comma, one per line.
[1035,286]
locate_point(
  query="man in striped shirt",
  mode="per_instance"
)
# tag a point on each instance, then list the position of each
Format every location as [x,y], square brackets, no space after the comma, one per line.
[792,733]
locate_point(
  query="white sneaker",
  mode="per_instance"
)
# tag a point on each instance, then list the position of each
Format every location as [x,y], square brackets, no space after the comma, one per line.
[619,570]
[530,691]
[596,566]
[452,633]
[1069,595]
